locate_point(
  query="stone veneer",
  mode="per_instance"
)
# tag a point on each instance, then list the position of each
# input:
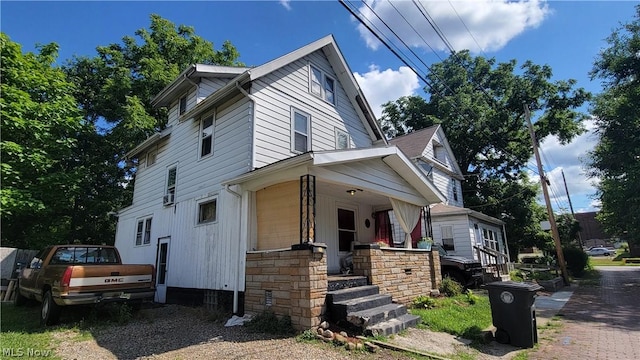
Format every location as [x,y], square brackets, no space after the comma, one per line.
[297,279]
[402,273]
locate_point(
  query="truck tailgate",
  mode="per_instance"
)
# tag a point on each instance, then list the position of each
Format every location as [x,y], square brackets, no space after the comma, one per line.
[95,278]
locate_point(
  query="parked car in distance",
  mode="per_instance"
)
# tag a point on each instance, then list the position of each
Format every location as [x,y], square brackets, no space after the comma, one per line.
[67,275]
[600,251]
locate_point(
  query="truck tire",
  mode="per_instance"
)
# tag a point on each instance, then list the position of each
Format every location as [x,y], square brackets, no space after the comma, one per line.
[50,311]
[18,299]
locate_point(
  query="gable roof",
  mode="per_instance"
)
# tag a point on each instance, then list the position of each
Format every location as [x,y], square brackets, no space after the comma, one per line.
[415,143]
[241,76]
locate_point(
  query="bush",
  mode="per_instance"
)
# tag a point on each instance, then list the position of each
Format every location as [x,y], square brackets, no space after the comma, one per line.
[471,297]
[516,275]
[268,322]
[576,259]
[423,302]
[450,287]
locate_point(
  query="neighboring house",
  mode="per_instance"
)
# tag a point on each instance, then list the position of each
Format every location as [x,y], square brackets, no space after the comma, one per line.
[460,231]
[263,180]
[591,232]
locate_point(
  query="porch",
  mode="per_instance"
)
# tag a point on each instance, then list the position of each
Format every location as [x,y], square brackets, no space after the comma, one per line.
[294,282]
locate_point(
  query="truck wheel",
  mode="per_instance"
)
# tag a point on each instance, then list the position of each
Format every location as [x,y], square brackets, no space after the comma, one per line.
[18,299]
[50,313]
[502,336]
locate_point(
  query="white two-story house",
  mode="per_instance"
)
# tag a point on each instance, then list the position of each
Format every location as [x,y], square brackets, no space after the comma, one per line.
[279,156]
[459,230]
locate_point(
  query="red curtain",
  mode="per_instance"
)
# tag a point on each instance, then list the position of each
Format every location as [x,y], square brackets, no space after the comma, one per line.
[383,228]
[416,234]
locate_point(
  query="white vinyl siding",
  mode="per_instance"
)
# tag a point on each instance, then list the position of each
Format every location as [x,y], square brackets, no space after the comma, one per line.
[288,87]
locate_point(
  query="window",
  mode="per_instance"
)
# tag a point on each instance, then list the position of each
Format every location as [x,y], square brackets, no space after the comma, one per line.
[207,211]
[171,181]
[206,136]
[300,139]
[346,229]
[152,156]
[84,255]
[322,85]
[143,232]
[343,139]
[447,237]
[438,152]
[182,106]
[428,169]
[454,185]
[490,238]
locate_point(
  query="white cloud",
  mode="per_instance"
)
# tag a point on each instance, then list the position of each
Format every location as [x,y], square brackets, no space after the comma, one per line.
[492,23]
[571,159]
[286,4]
[380,87]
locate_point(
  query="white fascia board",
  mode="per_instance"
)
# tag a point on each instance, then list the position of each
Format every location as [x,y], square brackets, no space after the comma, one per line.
[414,176]
[148,142]
[212,99]
[267,170]
[446,145]
[352,155]
[160,98]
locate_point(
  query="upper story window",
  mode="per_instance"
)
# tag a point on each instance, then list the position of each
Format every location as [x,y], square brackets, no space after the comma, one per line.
[322,85]
[143,231]
[152,156]
[439,153]
[454,185]
[182,105]
[428,170]
[343,139]
[170,193]
[206,136]
[300,131]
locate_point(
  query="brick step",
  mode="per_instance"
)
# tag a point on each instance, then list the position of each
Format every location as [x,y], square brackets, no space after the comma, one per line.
[365,318]
[340,309]
[393,326]
[345,281]
[351,293]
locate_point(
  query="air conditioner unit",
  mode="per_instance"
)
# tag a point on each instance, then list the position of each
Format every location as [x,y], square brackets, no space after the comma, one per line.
[168,199]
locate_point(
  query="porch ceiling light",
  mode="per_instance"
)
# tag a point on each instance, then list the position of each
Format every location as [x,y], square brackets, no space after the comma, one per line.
[353,191]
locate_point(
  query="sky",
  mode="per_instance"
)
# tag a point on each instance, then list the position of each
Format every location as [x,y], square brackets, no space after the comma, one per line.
[566,35]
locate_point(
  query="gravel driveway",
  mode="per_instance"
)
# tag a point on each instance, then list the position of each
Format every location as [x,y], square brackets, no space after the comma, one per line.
[176,332]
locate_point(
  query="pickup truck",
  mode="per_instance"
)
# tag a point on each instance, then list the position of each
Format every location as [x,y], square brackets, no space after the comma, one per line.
[67,275]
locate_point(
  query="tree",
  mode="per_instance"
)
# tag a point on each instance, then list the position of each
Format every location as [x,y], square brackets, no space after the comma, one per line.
[480,105]
[40,125]
[114,91]
[616,158]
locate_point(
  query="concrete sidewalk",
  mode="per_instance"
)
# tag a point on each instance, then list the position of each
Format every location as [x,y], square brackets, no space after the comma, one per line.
[549,305]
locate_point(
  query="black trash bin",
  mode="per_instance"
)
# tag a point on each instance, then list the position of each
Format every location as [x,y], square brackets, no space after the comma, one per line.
[513,312]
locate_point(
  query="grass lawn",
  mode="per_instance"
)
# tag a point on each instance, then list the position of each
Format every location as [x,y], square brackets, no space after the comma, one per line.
[611,260]
[455,315]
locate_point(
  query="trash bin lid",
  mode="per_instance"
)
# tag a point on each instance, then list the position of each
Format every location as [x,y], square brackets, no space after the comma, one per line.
[514,285]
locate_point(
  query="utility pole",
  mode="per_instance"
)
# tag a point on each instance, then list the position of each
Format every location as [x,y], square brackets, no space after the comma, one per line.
[566,189]
[545,192]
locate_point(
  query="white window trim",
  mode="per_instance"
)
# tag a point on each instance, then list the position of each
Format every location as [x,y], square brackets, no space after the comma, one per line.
[322,95]
[153,150]
[293,130]
[144,221]
[167,189]
[201,137]
[204,201]
[181,110]
[339,132]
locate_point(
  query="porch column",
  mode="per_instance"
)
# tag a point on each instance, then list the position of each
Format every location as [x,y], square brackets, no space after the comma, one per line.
[307,209]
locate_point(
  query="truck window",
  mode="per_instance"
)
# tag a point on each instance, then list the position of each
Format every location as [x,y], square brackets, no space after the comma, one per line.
[85,255]
[36,262]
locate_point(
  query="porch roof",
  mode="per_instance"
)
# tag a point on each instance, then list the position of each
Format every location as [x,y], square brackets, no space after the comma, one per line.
[384,171]
[448,210]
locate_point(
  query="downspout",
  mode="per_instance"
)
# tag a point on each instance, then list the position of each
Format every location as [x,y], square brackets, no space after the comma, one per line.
[235,288]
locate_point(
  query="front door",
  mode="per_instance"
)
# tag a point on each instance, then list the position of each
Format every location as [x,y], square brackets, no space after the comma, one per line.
[346,234]
[162,257]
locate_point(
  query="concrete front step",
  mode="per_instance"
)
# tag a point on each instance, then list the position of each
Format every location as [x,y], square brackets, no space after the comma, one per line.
[393,326]
[338,282]
[351,293]
[364,318]
[340,309]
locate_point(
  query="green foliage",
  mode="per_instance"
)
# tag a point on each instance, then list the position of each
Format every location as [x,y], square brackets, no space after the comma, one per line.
[576,260]
[450,287]
[615,160]
[516,275]
[119,313]
[308,335]
[423,302]
[457,316]
[480,99]
[268,322]
[471,297]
